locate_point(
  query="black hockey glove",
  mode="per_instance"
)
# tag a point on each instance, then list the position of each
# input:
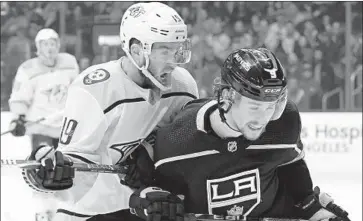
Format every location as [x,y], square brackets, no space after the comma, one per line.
[155,204]
[317,201]
[55,172]
[19,126]
[328,203]
[140,169]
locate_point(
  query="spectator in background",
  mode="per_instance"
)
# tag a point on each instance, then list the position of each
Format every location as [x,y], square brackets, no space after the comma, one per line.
[274,34]
[5,88]
[327,23]
[117,12]
[297,93]
[312,88]
[288,41]
[18,48]
[84,63]
[51,15]
[209,72]
[293,30]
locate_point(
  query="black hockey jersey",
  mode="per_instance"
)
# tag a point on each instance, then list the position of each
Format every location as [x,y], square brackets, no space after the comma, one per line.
[231,176]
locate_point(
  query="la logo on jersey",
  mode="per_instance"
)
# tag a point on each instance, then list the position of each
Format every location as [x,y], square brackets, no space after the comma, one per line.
[236,195]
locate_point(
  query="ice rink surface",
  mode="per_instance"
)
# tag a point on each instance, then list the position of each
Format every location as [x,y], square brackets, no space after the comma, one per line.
[17,203]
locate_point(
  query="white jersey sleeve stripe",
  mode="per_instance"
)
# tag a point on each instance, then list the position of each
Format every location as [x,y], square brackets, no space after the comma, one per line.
[186,156]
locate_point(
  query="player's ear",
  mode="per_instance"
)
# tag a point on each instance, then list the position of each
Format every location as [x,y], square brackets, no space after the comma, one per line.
[137,53]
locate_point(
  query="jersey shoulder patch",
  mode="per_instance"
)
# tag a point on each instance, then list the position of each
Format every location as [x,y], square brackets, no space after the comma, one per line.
[96,76]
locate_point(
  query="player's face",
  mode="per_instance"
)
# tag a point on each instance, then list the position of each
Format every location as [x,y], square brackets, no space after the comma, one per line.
[49,49]
[165,57]
[251,116]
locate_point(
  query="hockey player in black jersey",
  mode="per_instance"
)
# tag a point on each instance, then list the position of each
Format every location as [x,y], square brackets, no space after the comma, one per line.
[240,154]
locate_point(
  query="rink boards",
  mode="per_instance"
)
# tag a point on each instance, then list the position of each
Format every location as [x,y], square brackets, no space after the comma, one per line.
[333,148]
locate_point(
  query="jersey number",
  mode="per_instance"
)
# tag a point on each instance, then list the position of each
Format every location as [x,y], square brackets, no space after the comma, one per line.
[69,126]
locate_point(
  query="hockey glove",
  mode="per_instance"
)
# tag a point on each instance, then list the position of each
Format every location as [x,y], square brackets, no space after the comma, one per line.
[140,169]
[19,126]
[316,207]
[55,172]
[155,204]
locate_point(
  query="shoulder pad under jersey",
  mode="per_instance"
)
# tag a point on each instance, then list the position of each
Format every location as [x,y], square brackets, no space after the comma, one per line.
[32,67]
[103,81]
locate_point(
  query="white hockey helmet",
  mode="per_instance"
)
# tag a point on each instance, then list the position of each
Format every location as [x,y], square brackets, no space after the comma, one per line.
[46,34]
[150,23]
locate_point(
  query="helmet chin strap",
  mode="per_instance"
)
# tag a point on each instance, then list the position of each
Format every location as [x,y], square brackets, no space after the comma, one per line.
[147,72]
[224,120]
[222,112]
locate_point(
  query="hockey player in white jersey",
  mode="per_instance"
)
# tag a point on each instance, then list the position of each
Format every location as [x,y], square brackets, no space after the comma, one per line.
[111,108]
[40,90]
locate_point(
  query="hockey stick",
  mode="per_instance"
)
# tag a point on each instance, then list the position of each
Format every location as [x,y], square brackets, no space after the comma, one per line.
[82,167]
[29,123]
[101,168]
[207,217]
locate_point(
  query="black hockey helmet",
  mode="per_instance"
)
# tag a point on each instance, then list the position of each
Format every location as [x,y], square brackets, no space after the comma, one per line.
[254,73]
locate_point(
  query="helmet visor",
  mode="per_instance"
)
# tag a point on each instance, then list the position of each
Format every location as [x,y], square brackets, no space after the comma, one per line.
[173,52]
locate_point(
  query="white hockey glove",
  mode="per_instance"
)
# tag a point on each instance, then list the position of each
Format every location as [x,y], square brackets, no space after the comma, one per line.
[54,174]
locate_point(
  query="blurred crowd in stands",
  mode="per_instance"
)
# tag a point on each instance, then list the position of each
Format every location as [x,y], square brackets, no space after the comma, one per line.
[308,37]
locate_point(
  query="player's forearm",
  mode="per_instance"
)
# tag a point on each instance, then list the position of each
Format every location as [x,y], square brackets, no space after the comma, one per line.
[296,178]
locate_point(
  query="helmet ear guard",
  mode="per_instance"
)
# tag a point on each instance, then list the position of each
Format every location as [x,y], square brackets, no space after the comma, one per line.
[225,95]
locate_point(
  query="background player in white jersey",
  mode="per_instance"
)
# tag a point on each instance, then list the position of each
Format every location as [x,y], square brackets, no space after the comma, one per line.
[40,90]
[111,108]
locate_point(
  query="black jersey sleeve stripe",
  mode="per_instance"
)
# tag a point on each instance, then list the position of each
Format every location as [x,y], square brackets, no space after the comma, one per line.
[174,94]
[132,100]
[73,213]
[80,158]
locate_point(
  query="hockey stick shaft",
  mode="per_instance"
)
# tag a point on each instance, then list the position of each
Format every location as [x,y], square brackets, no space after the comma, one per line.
[208,217]
[82,167]
[101,168]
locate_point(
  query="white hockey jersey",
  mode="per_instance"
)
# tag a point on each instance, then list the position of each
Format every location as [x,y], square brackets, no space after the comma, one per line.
[106,117]
[40,91]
